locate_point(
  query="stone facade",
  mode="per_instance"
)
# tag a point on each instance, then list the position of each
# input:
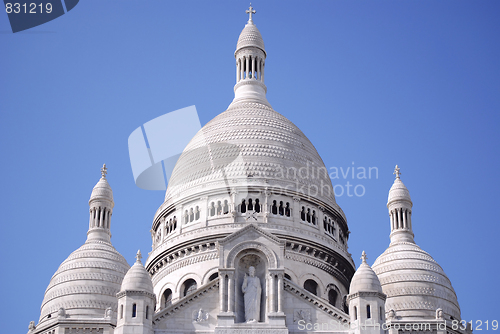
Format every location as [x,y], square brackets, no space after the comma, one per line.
[249,191]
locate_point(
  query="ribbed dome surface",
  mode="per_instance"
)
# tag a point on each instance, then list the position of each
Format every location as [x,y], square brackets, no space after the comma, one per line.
[250,36]
[365,280]
[86,283]
[250,144]
[137,279]
[102,191]
[415,285]
[398,192]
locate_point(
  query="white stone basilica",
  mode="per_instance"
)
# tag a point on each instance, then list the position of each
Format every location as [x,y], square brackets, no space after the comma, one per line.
[245,243]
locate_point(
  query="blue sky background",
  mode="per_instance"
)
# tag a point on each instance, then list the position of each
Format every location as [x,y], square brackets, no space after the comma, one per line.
[374,83]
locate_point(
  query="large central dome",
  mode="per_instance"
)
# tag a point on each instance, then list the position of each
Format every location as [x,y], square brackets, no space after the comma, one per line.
[251,144]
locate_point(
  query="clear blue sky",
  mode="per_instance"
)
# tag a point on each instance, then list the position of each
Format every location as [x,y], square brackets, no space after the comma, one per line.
[374,83]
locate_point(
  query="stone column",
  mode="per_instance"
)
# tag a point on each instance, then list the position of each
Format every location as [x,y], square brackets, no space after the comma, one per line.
[400,218]
[265,210]
[247,61]
[230,295]
[296,209]
[253,68]
[91,214]
[101,216]
[409,219]
[272,307]
[405,223]
[238,63]
[222,290]
[280,293]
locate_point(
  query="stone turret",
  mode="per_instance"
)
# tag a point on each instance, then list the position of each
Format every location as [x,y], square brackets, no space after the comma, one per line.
[136,301]
[366,301]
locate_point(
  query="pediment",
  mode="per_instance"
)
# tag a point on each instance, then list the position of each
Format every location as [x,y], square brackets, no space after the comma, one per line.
[250,232]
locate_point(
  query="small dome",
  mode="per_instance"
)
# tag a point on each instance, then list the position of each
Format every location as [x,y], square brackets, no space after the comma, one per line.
[398,192]
[86,283]
[365,279]
[102,191]
[250,36]
[137,278]
[415,285]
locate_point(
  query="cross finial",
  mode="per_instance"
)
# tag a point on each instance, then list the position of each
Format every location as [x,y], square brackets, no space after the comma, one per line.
[397,172]
[138,256]
[250,11]
[364,257]
[104,171]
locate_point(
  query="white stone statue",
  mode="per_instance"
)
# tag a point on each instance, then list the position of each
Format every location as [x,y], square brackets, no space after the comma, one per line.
[252,292]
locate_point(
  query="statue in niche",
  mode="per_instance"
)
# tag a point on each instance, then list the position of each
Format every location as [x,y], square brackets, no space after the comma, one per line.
[252,290]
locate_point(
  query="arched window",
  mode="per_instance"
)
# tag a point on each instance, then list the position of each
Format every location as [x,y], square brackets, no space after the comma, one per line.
[332,296]
[288,277]
[355,313]
[314,217]
[167,298]
[368,312]
[287,209]
[243,206]
[308,216]
[225,208]
[303,214]
[212,209]
[281,209]
[381,313]
[274,208]
[121,311]
[257,205]
[189,286]
[134,310]
[311,286]
[197,213]
[191,215]
[219,208]
[147,311]
[250,205]
[213,276]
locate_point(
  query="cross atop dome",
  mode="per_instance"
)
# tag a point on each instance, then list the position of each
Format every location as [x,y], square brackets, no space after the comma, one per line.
[363,257]
[138,256]
[250,11]
[397,172]
[104,171]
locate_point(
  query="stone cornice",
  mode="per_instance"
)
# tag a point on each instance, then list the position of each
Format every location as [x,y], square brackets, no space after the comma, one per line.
[367,294]
[135,293]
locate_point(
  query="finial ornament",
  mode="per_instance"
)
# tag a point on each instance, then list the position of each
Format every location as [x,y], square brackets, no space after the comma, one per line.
[138,256]
[104,171]
[364,257]
[397,172]
[250,11]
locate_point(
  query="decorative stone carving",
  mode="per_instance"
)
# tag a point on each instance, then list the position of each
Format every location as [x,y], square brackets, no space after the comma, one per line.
[61,313]
[439,314]
[108,313]
[301,314]
[200,316]
[252,291]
